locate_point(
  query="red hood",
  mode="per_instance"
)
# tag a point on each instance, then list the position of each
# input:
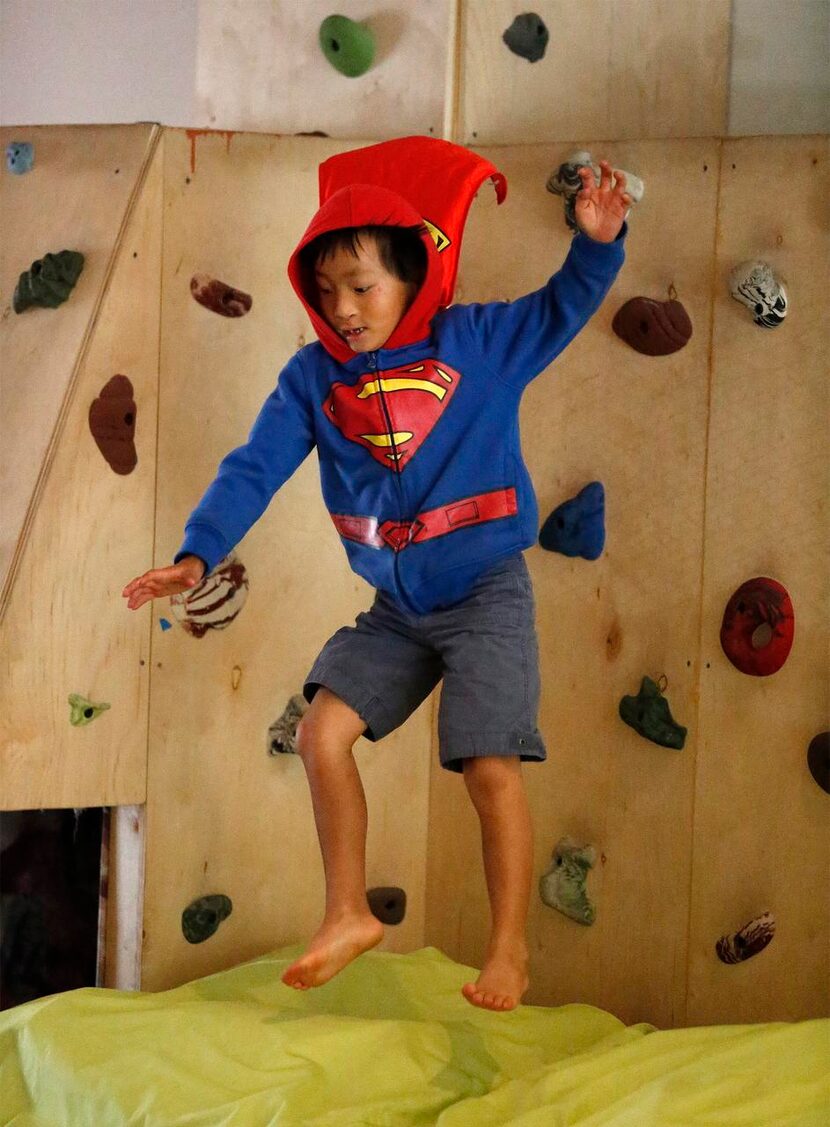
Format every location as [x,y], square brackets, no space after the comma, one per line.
[364,205]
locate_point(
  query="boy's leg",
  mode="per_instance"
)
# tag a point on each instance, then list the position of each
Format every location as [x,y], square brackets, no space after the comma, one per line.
[325,736]
[496,787]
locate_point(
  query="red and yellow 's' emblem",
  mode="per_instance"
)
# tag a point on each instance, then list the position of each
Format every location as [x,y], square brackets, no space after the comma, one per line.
[392,412]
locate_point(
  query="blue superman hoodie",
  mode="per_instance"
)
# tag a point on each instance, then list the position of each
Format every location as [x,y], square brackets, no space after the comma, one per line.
[420,459]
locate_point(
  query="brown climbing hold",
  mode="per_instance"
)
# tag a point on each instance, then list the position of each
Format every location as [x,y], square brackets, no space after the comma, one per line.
[654,328]
[220,297]
[112,423]
[752,938]
[387,904]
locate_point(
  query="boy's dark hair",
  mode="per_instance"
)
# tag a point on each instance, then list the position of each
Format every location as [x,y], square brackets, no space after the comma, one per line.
[400,248]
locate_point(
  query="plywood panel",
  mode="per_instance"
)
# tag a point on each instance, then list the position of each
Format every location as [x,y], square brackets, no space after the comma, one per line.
[223,815]
[66,629]
[260,66]
[76,197]
[762,832]
[638,424]
[613,68]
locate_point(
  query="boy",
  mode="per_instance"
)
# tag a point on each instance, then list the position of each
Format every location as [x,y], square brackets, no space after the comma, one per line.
[414,411]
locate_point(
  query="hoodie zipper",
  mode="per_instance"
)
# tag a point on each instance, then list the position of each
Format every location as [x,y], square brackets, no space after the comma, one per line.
[373,365]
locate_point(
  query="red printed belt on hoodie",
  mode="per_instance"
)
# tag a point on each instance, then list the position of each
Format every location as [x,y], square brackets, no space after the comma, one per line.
[398,535]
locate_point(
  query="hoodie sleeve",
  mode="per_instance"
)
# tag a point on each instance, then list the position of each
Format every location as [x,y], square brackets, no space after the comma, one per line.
[517,340]
[248,477]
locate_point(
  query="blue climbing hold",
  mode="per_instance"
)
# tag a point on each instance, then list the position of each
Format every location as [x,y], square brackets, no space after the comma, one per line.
[577,527]
[20,156]
[165,625]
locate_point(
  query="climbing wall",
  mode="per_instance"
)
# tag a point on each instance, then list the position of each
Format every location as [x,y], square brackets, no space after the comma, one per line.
[75,528]
[224,816]
[714,469]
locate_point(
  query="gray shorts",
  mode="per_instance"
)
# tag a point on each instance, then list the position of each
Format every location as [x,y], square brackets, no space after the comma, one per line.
[485,649]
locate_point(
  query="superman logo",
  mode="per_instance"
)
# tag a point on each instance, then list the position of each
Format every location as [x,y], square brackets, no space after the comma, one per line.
[391,413]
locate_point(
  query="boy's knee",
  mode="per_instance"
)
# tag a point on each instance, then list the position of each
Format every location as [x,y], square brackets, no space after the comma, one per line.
[329,725]
[486,774]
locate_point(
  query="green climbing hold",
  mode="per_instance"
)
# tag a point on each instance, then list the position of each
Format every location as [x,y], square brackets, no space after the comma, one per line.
[648,713]
[83,710]
[49,281]
[563,885]
[348,46]
[201,918]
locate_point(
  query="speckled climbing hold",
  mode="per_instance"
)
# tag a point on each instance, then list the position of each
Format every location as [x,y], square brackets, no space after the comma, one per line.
[758,627]
[755,285]
[201,918]
[49,281]
[527,37]
[112,422]
[387,904]
[654,328]
[752,938]
[282,735]
[648,713]
[349,46]
[818,759]
[215,601]
[219,297]
[577,527]
[83,710]
[20,157]
[562,886]
[566,182]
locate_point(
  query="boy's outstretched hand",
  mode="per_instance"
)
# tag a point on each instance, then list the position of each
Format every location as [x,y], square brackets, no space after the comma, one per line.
[600,208]
[164,581]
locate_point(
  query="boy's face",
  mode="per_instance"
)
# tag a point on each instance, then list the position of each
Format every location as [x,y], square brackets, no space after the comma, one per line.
[359,298]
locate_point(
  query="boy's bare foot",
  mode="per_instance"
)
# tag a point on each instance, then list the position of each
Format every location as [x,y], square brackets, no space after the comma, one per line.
[334,946]
[502,982]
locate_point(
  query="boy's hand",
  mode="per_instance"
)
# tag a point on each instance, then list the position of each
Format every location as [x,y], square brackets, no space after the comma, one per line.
[600,208]
[164,581]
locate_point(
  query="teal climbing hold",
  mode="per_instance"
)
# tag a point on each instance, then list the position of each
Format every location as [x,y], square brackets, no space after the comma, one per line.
[83,710]
[201,918]
[563,885]
[49,281]
[20,157]
[348,46]
[648,713]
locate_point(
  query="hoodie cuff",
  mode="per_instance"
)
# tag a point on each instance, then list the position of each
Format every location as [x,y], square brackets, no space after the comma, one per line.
[603,255]
[205,542]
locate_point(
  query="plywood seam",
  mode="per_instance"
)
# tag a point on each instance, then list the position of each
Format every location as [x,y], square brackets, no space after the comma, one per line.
[713,292]
[80,359]
[453,71]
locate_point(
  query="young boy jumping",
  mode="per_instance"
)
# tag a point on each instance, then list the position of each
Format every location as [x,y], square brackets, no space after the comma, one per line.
[414,408]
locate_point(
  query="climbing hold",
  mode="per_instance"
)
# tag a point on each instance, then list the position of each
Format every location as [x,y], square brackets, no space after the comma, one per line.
[648,713]
[282,734]
[83,710]
[387,904]
[758,627]
[349,46]
[49,281]
[562,886]
[201,918]
[112,422]
[818,759]
[20,156]
[754,284]
[576,527]
[220,297]
[655,328]
[527,37]
[165,625]
[752,938]
[216,599]
[566,182]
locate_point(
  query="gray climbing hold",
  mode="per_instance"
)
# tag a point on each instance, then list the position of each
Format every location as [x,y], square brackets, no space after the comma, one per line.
[83,710]
[527,37]
[648,713]
[563,885]
[752,938]
[387,904]
[282,735]
[49,281]
[754,284]
[20,157]
[201,918]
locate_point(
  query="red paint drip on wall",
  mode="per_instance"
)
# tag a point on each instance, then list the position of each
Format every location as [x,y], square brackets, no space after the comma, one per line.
[194,133]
